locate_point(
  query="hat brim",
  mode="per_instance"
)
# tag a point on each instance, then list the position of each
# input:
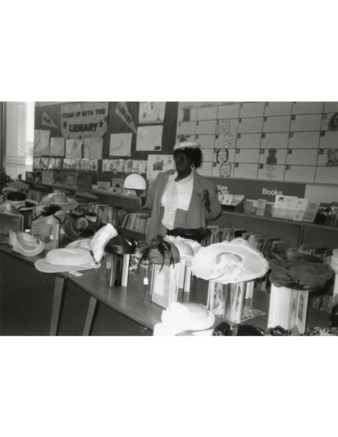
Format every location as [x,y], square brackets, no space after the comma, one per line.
[254,263]
[44,266]
[71,204]
[187,145]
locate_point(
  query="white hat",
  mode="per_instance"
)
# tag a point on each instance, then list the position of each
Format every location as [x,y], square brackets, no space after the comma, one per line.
[180,317]
[77,258]
[59,199]
[187,145]
[25,244]
[229,262]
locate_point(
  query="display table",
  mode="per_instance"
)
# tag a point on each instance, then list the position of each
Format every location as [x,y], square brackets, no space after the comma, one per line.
[134,300]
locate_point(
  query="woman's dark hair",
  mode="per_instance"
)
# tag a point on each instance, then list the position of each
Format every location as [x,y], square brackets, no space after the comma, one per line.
[195,154]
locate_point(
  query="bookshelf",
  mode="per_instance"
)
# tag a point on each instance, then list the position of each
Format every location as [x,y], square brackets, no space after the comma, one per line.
[293,232]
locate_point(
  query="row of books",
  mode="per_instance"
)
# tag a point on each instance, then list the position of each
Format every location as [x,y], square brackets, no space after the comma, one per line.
[35,195]
[136,222]
[294,208]
[107,213]
[217,234]
[300,209]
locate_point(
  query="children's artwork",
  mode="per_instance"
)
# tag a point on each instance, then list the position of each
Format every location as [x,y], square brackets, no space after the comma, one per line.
[55,163]
[72,164]
[157,164]
[89,164]
[149,138]
[151,112]
[57,146]
[41,142]
[73,149]
[120,144]
[92,148]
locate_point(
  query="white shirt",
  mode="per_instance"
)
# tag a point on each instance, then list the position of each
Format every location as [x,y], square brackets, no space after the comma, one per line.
[176,195]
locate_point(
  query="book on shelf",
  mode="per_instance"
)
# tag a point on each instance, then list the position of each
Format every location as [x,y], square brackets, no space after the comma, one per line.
[284,207]
[310,211]
[332,218]
[301,206]
[261,207]
[323,213]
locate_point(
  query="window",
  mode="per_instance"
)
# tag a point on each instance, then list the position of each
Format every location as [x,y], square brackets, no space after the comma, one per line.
[19,141]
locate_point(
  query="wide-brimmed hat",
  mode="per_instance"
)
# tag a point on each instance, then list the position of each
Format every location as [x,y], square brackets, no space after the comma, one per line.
[65,260]
[180,317]
[76,227]
[229,262]
[299,275]
[61,200]
[77,258]
[187,145]
[25,244]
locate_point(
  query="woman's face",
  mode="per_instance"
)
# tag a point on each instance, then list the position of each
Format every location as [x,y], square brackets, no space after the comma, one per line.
[183,163]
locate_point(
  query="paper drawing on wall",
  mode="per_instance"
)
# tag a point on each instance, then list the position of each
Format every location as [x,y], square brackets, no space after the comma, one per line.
[120,144]
[92,148]
[57,146]
[151,112]
[332,160]
[333,123]
[73,149]
[271,158]
[149,138]
[41,142]
[168,164]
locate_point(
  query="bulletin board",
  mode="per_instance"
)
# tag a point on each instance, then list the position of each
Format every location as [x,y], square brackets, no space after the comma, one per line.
[102,139]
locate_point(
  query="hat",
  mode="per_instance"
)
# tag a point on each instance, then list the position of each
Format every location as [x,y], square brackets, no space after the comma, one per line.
[229,262]
[77,258]
[299,275]
[25,244]
[80,226]
[59,199]
[187,145]
[180,317]
[66,260]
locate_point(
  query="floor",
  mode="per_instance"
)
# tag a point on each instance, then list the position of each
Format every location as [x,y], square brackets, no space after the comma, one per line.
[26,303]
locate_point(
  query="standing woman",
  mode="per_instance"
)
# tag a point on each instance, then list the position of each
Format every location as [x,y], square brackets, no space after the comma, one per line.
[182,201]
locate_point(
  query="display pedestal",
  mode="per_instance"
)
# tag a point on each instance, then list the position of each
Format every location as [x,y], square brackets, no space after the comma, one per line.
[288,308]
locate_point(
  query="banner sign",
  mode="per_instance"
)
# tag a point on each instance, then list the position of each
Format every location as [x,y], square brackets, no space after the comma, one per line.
[84,120]
[123,112]
[47,121]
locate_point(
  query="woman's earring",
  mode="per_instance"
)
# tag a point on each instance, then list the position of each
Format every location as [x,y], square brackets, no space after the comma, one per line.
[192,166]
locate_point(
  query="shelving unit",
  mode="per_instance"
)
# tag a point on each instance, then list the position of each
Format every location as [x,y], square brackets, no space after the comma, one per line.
[293,232]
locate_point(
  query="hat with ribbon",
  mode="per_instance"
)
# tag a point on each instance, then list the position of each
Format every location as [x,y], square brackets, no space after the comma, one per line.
[77,258]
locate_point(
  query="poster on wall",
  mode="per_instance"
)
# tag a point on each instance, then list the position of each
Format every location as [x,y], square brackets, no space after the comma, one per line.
[41,142]
[149,138]
[74,149]
[158,163]
[92,148]
[120,144]
[84,120]
[57,146]
[151,112]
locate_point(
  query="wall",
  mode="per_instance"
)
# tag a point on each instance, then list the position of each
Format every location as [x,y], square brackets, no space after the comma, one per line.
[271,141]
